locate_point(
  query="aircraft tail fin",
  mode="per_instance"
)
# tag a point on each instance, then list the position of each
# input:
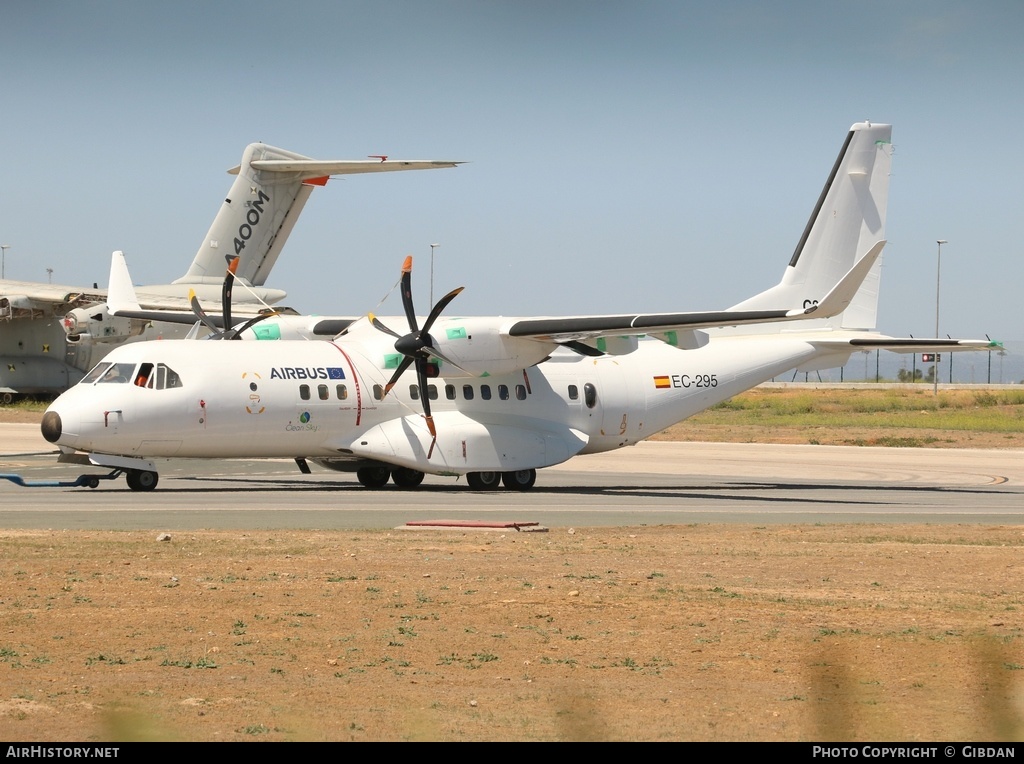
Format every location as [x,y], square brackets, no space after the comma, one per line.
[846,223]
[269,192]
[120,291]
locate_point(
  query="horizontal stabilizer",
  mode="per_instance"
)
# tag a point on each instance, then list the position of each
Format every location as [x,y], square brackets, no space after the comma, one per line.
[905,344]
[313,168]
[842,294]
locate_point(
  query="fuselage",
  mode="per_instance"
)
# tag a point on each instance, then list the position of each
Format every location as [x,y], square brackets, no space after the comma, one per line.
[325,399]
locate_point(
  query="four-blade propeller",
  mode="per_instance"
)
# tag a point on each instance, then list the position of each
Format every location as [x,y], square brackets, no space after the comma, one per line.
[417,346]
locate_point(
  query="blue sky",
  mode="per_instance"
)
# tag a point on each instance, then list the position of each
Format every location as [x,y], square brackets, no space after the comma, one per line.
[621,156]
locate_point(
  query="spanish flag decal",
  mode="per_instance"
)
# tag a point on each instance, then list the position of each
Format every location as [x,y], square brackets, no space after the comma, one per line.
[660,382]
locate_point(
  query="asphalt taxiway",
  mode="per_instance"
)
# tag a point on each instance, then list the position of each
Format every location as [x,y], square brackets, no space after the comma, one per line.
[651,483]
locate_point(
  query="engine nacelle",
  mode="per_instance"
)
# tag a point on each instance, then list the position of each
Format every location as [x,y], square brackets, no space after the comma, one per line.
[92,325]
[480,348]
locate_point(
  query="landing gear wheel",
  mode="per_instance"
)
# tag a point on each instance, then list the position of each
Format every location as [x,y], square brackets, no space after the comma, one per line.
[373,477]
[520,480]
[7,398]
[483,481]
[141,480]
[404,477]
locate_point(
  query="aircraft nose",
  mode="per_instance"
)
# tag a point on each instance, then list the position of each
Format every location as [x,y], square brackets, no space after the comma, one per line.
[51,426]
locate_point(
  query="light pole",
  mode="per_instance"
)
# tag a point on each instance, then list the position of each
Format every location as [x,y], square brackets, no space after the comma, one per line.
[938,275]
[3,260]
[432,248]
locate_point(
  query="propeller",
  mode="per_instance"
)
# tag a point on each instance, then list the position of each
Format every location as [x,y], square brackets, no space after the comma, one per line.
[417,346]
[226,330]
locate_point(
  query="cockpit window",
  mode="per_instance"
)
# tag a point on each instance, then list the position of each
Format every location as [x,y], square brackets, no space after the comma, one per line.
[117,373]
[96,373]
[166,378]
[144,376]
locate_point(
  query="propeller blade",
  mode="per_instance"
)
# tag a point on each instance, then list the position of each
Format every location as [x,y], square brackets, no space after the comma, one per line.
[441,305]
[235,334]
[440,356]
[225,295]
[410,313]
[421,378]
[378,324]
[405,364]
[200,313]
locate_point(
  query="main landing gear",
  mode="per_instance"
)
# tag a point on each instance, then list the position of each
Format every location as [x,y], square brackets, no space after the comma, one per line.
[518,480]
[404,477]
[377,477]
[141,480]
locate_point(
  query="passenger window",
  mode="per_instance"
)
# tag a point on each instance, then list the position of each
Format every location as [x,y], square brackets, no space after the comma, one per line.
[432,392]
[304,392]
[342,393]
[414,392]
[574,393]
[485,392]
[521,392]
[323,392]
[378,393]
[467,392]
[503,392]
[589,395]
[449,392]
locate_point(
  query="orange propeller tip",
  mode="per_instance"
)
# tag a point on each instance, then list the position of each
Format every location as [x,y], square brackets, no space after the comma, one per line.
[407,265]
[233,265]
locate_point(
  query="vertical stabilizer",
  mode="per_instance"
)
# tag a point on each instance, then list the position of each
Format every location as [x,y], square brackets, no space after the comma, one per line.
[848,219]
[253,222]
[263,204]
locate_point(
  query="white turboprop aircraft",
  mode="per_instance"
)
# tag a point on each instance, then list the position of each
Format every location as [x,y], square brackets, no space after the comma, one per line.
[492,398]
[41,352]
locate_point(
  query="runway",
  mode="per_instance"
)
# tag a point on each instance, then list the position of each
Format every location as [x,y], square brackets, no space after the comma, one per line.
[651,483]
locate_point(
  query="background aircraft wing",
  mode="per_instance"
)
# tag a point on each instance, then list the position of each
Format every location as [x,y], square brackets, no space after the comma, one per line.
[20,299]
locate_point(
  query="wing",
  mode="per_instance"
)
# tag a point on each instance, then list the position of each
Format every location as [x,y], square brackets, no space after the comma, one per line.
[27,299]
[582,328]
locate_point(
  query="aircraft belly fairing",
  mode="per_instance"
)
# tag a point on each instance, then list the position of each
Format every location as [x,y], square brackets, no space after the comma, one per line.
[466,444]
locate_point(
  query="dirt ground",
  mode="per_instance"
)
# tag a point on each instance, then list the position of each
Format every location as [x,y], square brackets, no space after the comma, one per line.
[704,632]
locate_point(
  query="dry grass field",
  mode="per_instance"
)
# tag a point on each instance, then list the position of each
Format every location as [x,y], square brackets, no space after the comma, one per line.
[653,633]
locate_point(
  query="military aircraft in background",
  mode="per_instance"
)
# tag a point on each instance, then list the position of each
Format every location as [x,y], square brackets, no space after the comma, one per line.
[492,398]
[51,334]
